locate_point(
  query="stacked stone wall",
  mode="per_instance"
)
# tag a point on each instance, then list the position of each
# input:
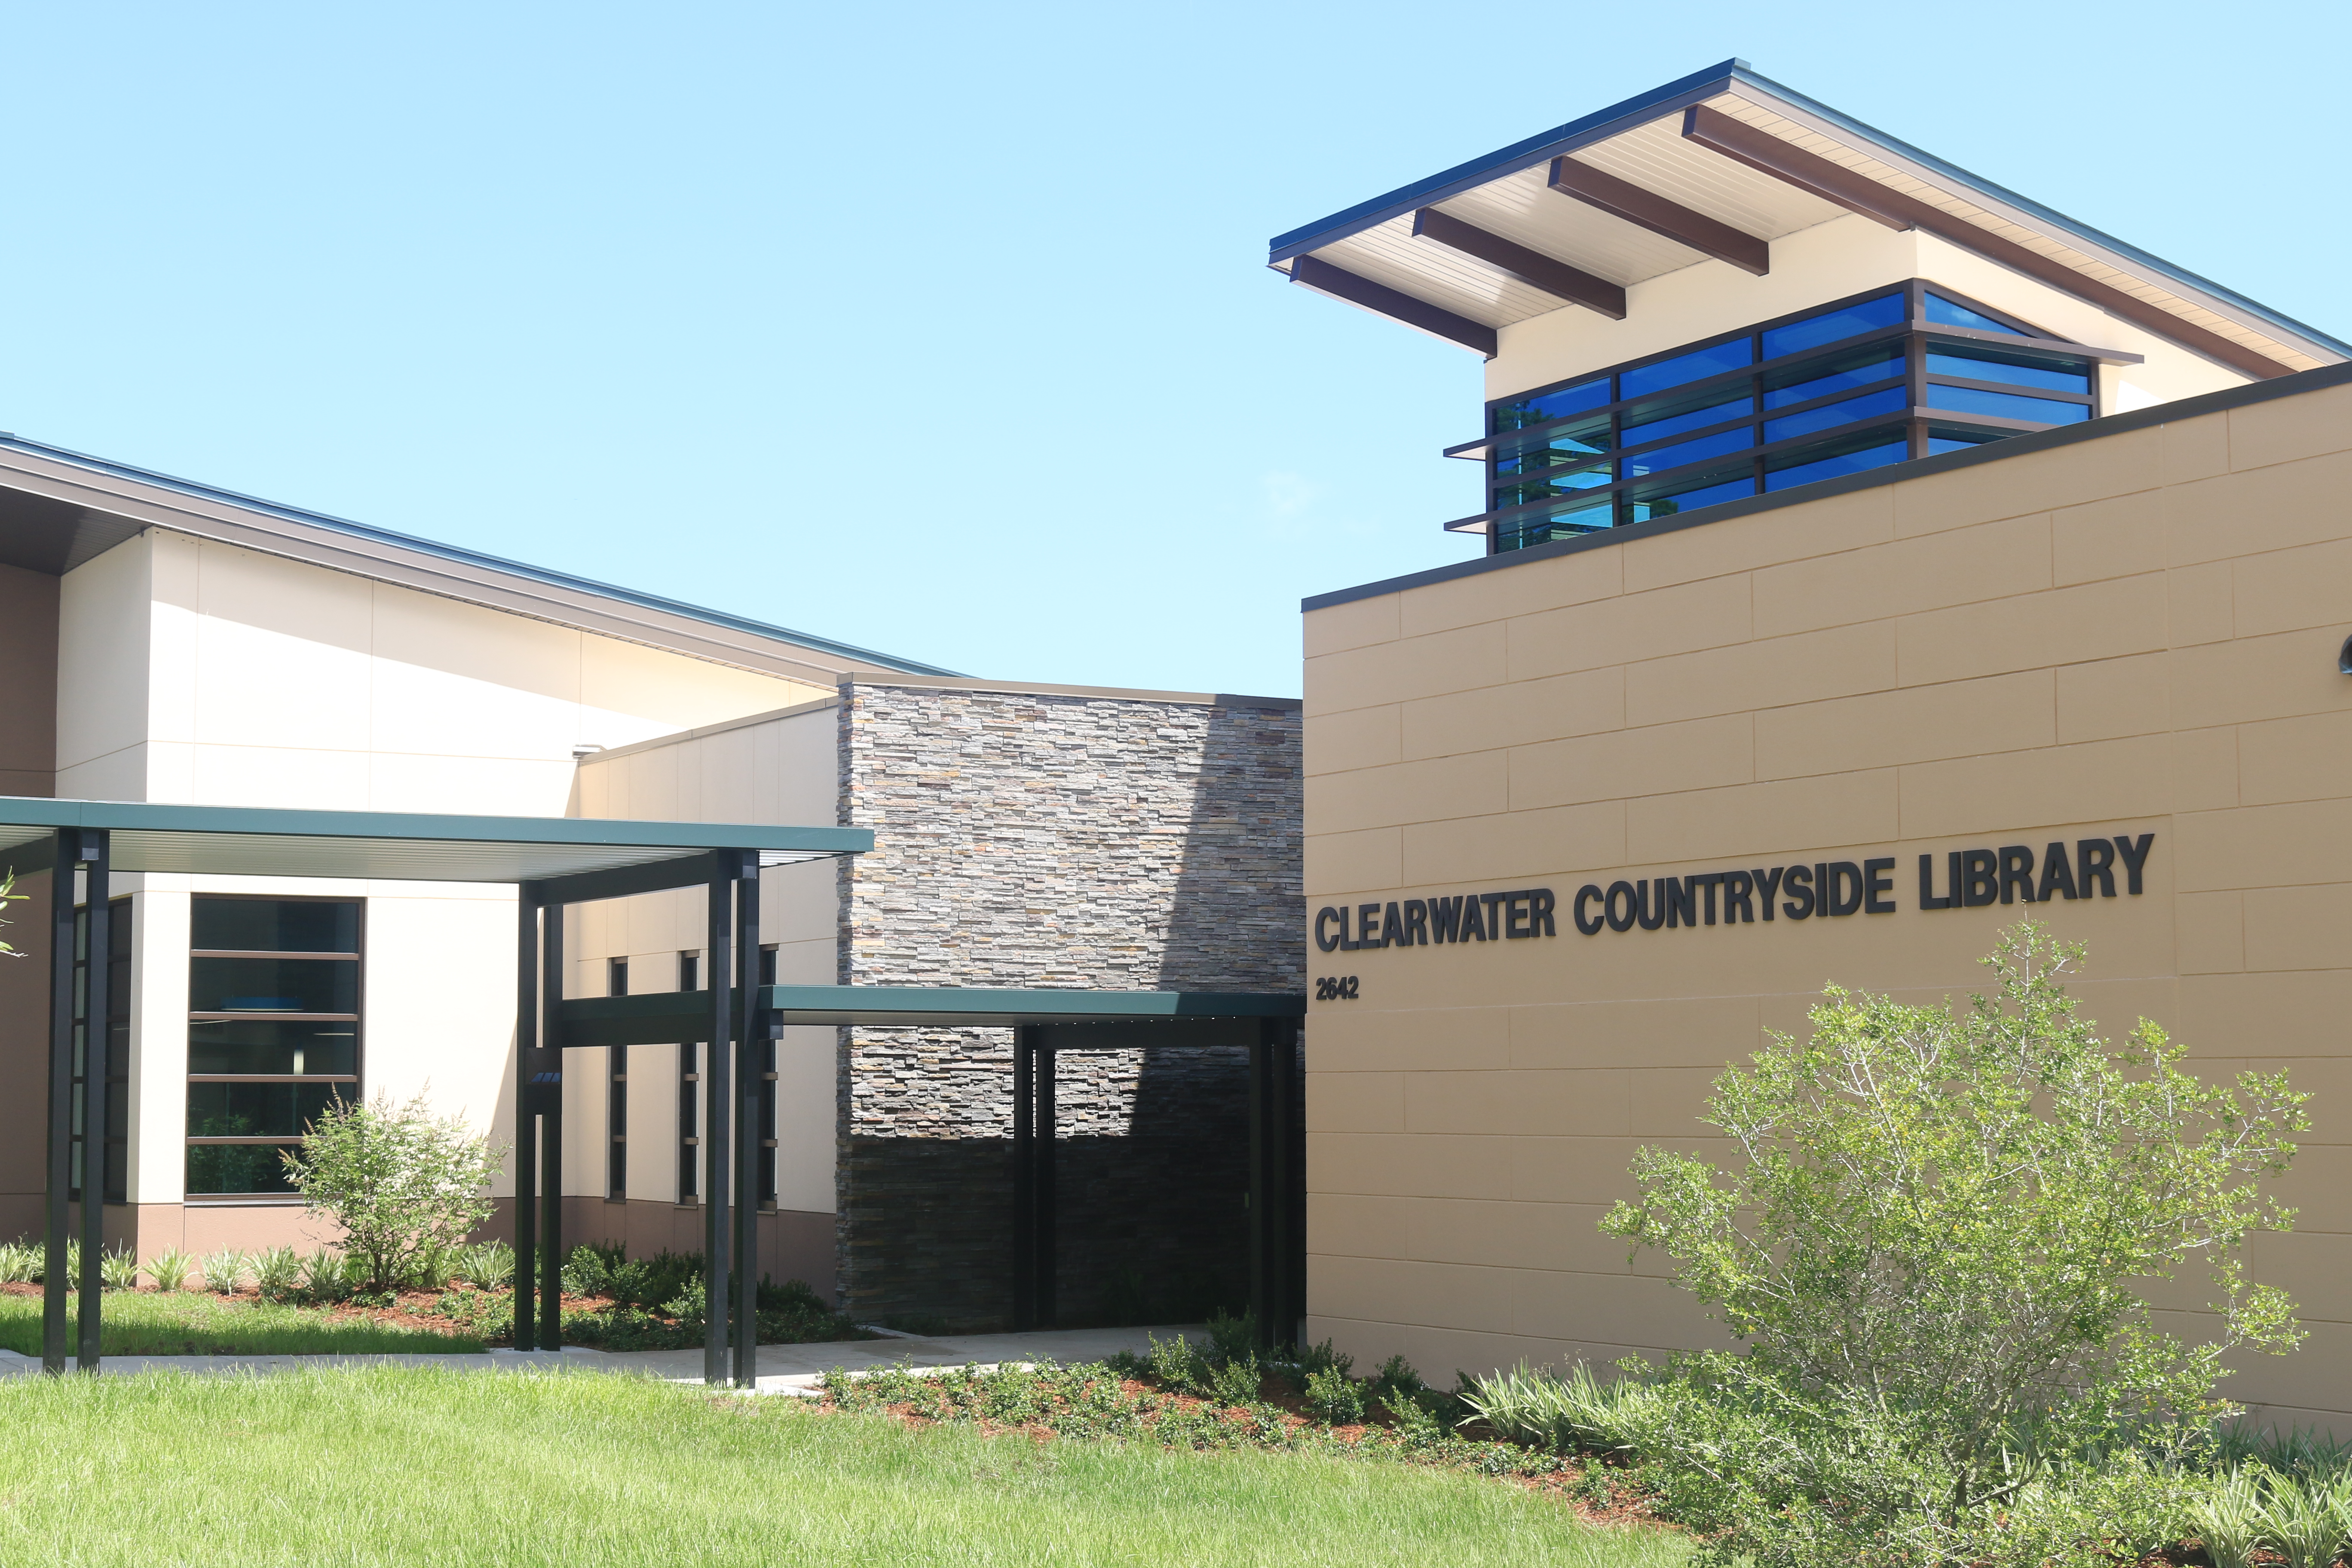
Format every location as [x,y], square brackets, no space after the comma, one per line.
[1071,842]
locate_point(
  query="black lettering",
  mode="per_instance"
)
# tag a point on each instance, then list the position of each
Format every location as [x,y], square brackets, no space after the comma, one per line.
[1877,877]
[2016,872]
[1631,898]
[1838,888]
[2057,875]
[1980,878]
[1708,879]
[1347,944]
[1392,931]
[1798,883]
[1739,898]
[1766,884]
[1576,910]
[1367,925]
[1493,902]
[1445,920]
[1681,900]
[2095,861]
[1514,915]
[1327,943]
[1651,918]
[1954,880]
[1927,899]
[1539,911]
[1473,925]
[2134,857]
[1416,924]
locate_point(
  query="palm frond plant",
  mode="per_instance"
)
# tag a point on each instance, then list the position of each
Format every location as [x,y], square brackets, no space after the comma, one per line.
[20,1263]
[276,1272]
[223,1270]
[117,1269]
[170,1269]
[2304,1516]
[488,1265]
[326,1275]
[2230,1519]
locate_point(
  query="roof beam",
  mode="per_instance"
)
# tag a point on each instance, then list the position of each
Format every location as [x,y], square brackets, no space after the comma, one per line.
[1647,209]
[1382,301]
[1532,267]
[1767,153]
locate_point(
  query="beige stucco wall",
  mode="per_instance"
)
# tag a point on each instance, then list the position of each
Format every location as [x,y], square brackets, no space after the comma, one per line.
[1829,261]
[2134,633]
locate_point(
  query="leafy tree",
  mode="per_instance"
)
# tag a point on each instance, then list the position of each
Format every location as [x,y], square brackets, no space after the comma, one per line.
[1935,1251]
[399,1182]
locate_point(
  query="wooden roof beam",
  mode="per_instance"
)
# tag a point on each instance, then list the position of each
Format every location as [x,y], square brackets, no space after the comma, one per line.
[1382,301]
[1621,199]
[1767,153]
[1532,267]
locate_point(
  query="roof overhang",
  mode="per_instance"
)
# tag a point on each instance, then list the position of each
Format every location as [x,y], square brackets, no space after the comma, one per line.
[608,859]
[1718,165]
[1081,1020]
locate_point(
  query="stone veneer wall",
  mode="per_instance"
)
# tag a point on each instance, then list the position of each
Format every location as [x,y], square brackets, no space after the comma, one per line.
[1055,840]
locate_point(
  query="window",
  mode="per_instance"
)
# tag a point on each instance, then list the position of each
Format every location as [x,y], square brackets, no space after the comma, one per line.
[273,1034]
[689,978]
[116,1061]
[616,1093]
[1836,390]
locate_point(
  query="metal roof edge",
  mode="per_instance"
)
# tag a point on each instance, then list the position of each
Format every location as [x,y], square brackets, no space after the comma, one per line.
[1743,73]
[1108,693]
[1519,155]
[1894,473]
[475,558]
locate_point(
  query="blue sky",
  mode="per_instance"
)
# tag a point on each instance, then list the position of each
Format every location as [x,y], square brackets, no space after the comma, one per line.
[945,329]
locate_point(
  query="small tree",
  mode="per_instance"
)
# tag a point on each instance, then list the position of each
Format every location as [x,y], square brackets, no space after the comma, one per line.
[399,1182]
[1935,1246]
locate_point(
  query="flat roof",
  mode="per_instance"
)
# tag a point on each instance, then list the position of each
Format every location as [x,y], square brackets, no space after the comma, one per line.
[61,507]
[390,846]
[1892,474]
[1761,193]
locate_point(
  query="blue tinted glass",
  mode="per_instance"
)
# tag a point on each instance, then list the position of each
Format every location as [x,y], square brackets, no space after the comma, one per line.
[2055,375]
[1523,412]
[1576,444]
[1563,522]
[1667,501]
[1805,471]
[1943,312]
[1676,424]
[1673,372]
[1682,452]
[2008,405]
[1878,366]
[1555,485]
[1852,321]
[1893,400]
[1940,444]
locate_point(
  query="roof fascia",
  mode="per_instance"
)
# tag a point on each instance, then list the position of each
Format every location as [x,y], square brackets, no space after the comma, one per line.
[268,526]
[2032,213]
[1598,126]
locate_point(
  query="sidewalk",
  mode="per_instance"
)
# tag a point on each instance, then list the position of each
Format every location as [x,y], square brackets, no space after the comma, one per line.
[780,1369]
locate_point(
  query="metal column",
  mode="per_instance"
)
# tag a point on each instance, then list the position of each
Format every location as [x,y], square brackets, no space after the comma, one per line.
[54,1283]
[1276,1256]
[717,1116]
[526,1140]
[96,993]
[748,1085]
[550,1132]
[1041,1185]
[1025,1194]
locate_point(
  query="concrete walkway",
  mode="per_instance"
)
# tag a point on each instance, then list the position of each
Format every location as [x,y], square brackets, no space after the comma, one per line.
[781,1369]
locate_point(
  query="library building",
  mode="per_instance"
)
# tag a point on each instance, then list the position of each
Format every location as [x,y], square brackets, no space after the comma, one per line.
[1873,558]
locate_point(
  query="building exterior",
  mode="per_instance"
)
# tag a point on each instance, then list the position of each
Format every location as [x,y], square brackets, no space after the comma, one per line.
[173,642]
[1588,813]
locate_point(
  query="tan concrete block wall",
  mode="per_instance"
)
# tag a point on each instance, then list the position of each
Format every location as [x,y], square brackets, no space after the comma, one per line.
[2134,633]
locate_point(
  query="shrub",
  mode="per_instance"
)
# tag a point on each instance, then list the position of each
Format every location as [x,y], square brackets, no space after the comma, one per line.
[649,1282]
[489,1265]
[276,1272]
[223,1270]
[1238,1382]
[1931,1250]
[1335,1396]
[1231,1339]
[20,1263]
[400,1180]
[329,1275]
[585,1273]
[170,1270]
[117,1269]
[1177,1364]
[2229,1518]
[2304,1518]
[1318,1357]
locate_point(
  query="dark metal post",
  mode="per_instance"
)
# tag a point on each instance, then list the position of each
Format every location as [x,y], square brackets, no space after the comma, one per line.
[1262,1188]
[551,1142]
[748,1085]
[54,1283]
[1046,1216]
[718,1104]
[526,1140]
[1024,1191]
[96,993]
[1288,1181]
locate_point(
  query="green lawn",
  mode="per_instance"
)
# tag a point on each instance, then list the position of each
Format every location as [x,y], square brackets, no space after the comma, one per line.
[442,1467]
[185,1323]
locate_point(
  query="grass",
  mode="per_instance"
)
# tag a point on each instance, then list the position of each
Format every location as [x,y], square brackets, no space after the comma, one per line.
[184,1322]
[440,1467]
